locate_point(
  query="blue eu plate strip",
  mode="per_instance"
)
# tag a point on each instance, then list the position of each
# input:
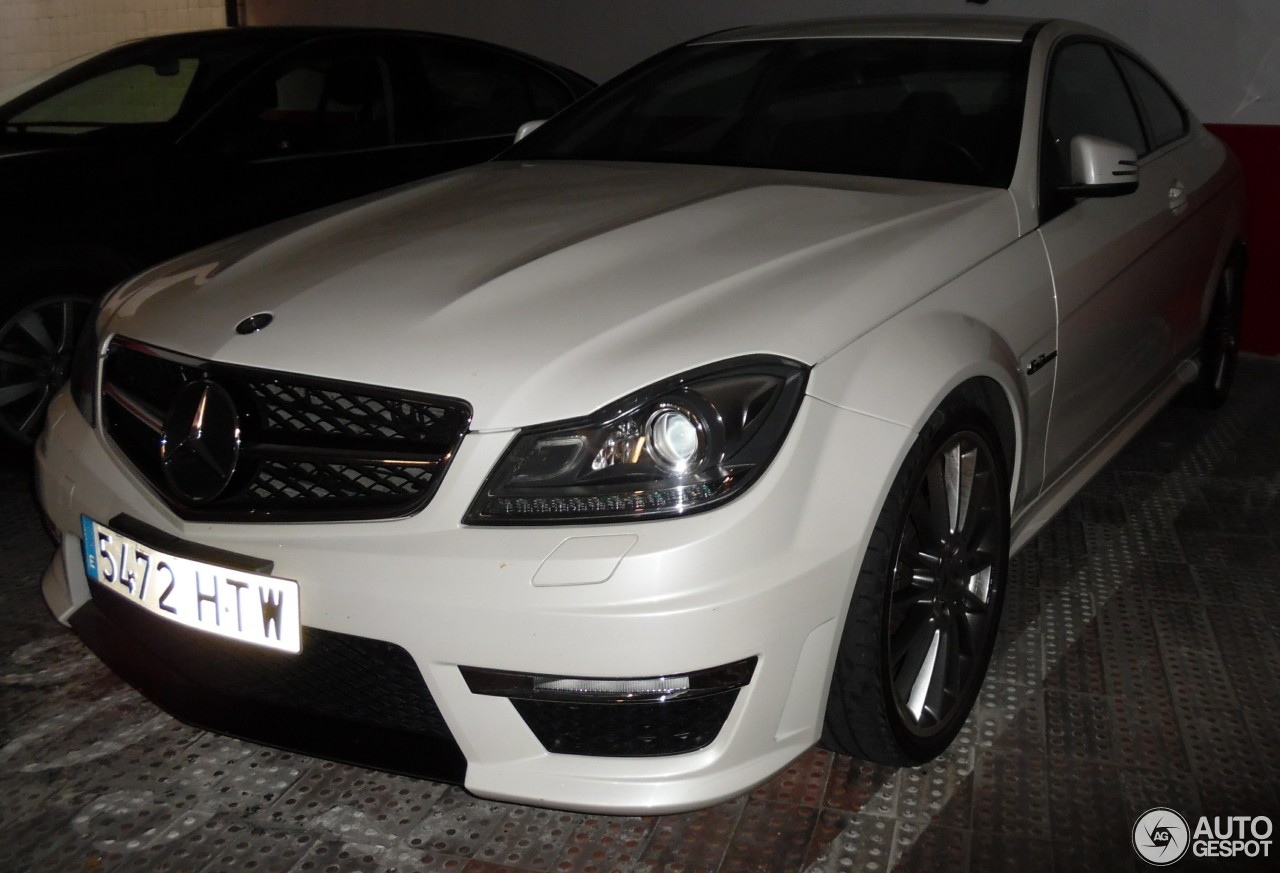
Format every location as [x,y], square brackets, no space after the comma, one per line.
[90,548]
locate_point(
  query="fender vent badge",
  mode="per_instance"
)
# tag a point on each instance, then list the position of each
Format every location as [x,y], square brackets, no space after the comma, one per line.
[1039,362]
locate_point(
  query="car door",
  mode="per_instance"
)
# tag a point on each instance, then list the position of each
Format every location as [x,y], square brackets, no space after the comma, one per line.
[1193,245]
[1122,266]
[346,116]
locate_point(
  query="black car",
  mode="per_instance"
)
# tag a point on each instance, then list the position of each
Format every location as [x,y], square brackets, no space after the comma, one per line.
[157,146]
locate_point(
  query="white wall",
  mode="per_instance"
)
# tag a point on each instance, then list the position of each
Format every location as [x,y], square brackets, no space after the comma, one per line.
[1223,56]
[38,34]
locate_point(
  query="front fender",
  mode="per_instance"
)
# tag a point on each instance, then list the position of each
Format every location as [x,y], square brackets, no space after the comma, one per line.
[989,323]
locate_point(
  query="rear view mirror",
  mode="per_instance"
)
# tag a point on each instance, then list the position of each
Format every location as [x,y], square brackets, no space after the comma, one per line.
[1101,168]
[167,67]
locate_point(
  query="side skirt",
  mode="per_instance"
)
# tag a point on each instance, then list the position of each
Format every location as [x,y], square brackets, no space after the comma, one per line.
[1035,515]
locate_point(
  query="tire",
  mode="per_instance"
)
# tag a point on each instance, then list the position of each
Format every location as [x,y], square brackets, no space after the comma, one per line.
[1220,346]
[36,346]
[929,592]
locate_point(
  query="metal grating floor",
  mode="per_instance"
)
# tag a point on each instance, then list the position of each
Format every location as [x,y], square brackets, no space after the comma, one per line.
[1139,666]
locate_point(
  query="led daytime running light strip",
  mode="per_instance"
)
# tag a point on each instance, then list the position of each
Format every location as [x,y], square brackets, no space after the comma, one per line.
[572,689]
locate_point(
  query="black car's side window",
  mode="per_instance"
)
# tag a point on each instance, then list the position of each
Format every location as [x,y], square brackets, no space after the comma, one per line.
[1165,117]
[470,93]
[315,106]
[1085,95]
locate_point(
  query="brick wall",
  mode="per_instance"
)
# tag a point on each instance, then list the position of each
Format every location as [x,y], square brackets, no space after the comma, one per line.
[38,34]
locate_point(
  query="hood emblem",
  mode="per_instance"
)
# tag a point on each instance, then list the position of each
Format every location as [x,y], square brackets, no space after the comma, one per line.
[200,442]
[254,323]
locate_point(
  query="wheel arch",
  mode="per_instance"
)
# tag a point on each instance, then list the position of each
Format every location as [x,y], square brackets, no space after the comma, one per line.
[906,369]
[974,399]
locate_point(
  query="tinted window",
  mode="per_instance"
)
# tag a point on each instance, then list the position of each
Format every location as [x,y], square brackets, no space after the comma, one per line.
[472,93]
[1166,121]
[940,110]
[1087,96]
[318,105]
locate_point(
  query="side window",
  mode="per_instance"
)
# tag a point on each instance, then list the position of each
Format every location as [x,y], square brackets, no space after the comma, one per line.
[319,105]
[1166,120]
[1085,95]
[470,93]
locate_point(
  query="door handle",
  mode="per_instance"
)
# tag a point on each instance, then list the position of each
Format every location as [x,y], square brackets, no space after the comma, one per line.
[1177,195]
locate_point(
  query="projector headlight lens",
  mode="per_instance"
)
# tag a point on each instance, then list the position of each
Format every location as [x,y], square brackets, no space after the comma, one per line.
[676,438]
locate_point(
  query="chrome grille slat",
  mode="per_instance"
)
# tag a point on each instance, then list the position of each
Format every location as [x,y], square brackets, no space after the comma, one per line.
[311,449]
[135,407]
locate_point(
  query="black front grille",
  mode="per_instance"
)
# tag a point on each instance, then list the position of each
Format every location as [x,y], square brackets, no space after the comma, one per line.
[310,449]
[291,480]
[296,408]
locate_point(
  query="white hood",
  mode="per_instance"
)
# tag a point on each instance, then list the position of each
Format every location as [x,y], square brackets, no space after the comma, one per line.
[539,292]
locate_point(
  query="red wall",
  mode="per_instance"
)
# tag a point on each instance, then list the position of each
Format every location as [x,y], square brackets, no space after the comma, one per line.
[1258,148]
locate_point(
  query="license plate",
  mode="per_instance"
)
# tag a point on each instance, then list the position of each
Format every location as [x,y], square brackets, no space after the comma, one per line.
[249,607]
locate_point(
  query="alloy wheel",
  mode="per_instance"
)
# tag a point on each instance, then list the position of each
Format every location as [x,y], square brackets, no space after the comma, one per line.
[944,606]
[1225,346]
[36,346]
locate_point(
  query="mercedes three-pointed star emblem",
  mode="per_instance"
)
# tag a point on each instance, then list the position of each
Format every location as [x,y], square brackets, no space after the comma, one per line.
[200,442]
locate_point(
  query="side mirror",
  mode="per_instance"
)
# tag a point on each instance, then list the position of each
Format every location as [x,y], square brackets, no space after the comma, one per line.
[1101,168]
[528,127]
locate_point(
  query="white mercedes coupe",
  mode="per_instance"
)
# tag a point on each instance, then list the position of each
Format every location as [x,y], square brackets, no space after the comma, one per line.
[696,428]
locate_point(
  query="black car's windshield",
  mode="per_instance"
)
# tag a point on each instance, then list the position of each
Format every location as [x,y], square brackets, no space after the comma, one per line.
[129,92]
[930,109]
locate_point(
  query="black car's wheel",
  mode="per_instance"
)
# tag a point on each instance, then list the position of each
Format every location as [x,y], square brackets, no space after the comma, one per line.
[927,599]
[1220,347]
[36,345]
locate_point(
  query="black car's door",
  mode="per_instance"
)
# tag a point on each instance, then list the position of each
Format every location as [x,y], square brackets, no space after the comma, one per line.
[346,116]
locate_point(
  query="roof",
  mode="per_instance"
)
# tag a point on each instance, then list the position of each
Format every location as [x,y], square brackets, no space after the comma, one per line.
[984,27]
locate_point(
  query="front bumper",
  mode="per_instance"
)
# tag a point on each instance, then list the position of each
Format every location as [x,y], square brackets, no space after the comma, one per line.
[767,576]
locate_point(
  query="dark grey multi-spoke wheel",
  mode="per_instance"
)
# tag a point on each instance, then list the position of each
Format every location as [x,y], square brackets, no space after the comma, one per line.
[926,604]
[36,345]
[1220,346]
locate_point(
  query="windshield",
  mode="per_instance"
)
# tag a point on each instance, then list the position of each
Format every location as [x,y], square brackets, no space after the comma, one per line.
[929,109]
[128,92]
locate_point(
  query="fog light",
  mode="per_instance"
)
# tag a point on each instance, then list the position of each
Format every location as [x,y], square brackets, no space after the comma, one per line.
[620,718]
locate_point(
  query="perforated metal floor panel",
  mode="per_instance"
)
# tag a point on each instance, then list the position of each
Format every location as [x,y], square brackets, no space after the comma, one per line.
[1137,668]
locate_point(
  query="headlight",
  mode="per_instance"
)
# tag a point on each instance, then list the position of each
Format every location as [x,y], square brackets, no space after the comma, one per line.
[83,376]
[683,445]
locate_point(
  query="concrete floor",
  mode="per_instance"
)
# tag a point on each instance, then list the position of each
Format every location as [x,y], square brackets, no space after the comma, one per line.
[1137,668]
